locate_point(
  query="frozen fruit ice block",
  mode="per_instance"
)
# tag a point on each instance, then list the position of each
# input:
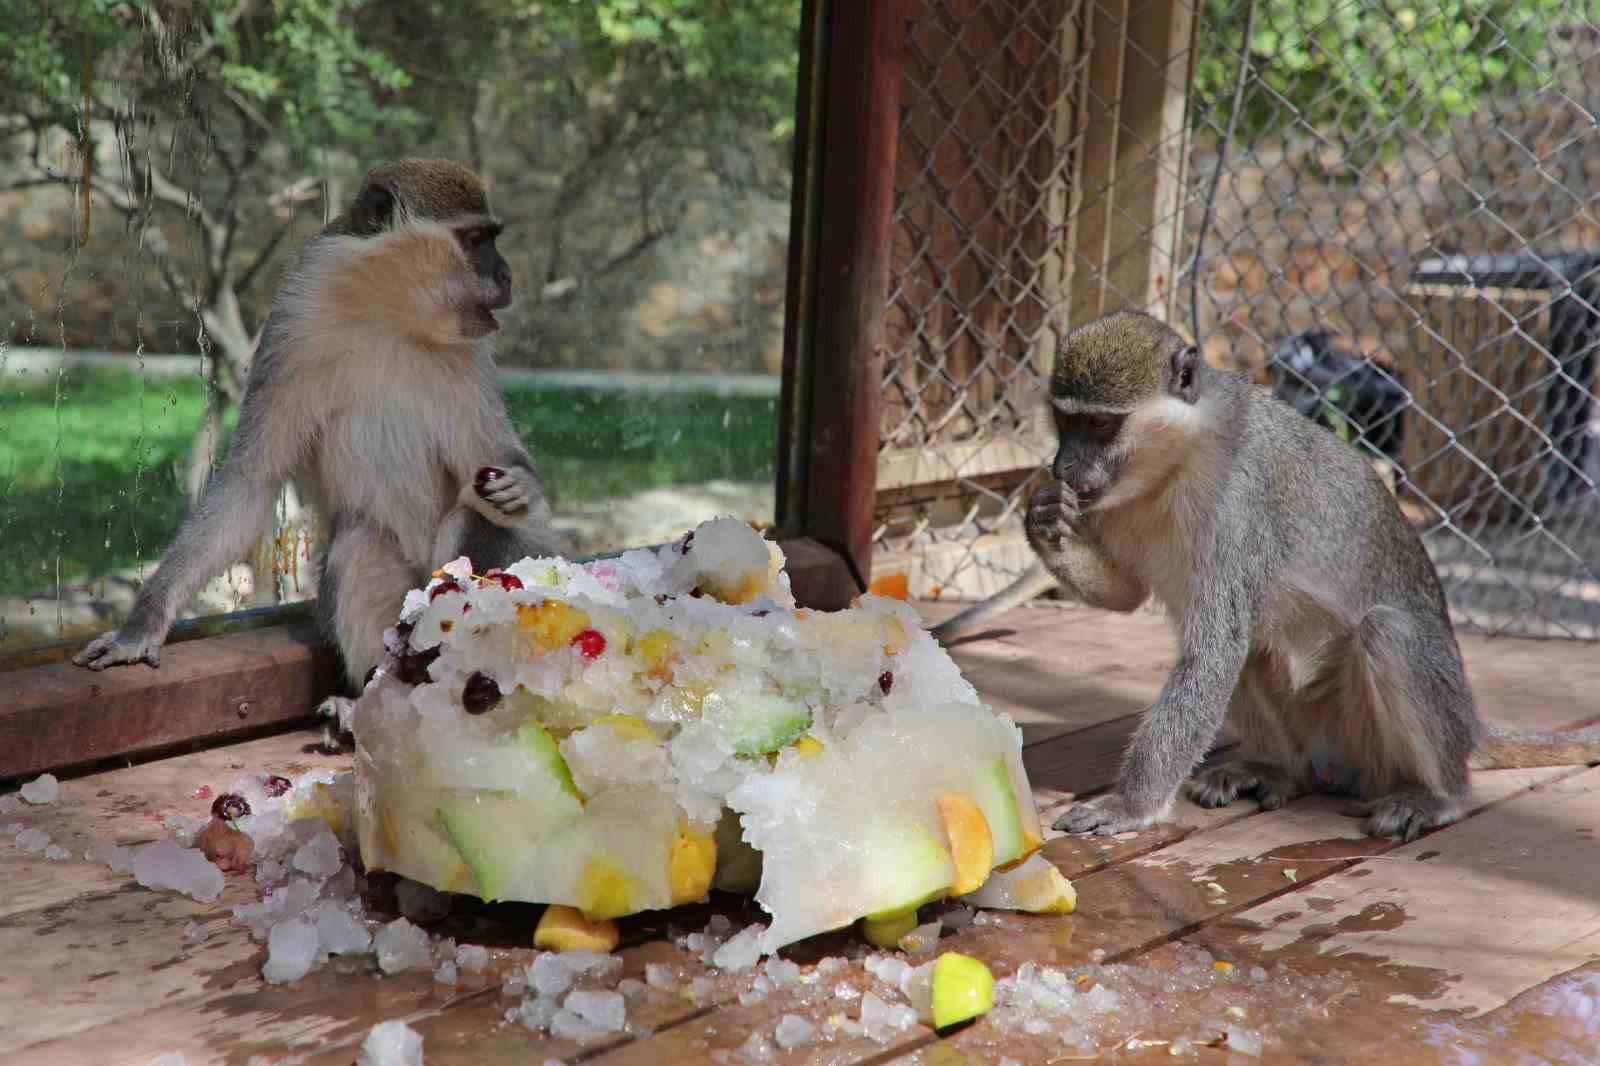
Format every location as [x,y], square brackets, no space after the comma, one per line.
[615,736]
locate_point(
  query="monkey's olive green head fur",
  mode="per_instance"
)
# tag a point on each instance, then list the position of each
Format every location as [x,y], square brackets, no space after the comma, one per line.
[436,189]
[1116,362]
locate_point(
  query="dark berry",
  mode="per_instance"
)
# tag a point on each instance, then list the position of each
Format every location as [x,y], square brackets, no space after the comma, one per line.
[480,695]
[886,681]
[503,579]
[230,806]
[485,476]
[449,584]
[760,614]
[276,785]
[413,666]
[696,592]
[590,643]
[660,599]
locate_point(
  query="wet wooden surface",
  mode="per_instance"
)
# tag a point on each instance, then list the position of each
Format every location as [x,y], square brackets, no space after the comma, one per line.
[1479,939]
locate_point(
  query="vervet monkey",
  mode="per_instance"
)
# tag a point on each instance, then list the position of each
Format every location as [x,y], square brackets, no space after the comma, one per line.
[373,387]
[1307,612]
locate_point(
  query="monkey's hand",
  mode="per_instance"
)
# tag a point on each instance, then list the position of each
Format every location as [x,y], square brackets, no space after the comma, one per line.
[502,494]
[1053,517]
[1108,815]
[130,644]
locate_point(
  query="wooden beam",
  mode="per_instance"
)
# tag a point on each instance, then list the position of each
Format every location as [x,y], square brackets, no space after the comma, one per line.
[1128,195]
[839,369]
[57,716]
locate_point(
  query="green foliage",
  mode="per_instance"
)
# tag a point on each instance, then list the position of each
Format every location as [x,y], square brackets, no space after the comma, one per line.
[90,461]
[298,66]
[701,59]
[1357,68]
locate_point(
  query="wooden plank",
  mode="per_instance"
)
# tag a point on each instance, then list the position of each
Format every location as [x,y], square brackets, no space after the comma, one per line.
[1494,906]
[59,715]
[902,467]
[1133,908]
[858,141]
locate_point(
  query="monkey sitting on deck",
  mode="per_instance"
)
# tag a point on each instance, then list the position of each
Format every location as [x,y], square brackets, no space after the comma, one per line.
[1307,612]
[374,387]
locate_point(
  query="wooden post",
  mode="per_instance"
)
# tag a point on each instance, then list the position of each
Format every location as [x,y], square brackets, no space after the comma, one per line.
[1128,196]
[833,359]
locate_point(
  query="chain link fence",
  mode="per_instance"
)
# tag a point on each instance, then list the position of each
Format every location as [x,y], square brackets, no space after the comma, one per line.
[1383,213]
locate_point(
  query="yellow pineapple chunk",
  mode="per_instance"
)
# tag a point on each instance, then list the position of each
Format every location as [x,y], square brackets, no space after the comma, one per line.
[566,929]
[971,845]
[808,745]
[604,890]
[691,865]
[551,625]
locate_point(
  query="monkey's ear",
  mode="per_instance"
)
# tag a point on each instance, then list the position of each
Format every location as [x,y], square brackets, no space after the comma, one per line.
[1185,370]
[373,209]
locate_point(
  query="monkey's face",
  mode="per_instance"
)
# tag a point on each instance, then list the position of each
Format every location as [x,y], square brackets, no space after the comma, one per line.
[489,288]
[1122,407]
[1089,456]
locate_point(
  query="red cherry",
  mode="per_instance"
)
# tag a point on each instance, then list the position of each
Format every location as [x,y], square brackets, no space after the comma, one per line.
[276,785]
[449,584]
[203,792]
[229,807]
[590,643]
[886,681]
[486,475]
[503,579]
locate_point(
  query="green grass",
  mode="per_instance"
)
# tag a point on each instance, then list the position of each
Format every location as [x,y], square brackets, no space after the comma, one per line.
[91,461]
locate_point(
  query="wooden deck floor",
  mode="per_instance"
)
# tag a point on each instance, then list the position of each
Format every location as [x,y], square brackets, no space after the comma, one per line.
[1482,937]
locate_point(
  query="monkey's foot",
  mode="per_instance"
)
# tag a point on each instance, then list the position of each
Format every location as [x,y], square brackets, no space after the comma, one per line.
[114,649]
[340,709]
[1220,785]
[1404,814]
[1105,817]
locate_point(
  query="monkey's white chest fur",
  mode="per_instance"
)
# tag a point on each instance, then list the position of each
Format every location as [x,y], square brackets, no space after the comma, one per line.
[400,438]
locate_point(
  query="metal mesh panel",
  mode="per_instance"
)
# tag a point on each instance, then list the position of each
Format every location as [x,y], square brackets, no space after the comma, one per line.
[1396,225]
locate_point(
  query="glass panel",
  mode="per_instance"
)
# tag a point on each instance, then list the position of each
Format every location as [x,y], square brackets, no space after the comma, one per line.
[159,172]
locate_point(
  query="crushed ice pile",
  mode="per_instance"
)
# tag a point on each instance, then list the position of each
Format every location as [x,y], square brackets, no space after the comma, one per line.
[620,735]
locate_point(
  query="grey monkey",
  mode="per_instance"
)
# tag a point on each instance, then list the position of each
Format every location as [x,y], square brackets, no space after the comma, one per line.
[1306,610]
[373,387]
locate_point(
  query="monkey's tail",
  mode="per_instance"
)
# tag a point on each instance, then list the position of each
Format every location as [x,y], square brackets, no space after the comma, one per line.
[1034,580]
[1518,749]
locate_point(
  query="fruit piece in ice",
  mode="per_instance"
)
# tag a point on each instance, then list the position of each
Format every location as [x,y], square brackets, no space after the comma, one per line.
[691,865]
[591,643]
[551,625]
[547,754]
[886,932]
[907,866]
[971,846]
[1035,886]
[627,727]
[566,929]
[759,723]
[963,988]
[808,745]
[478,823]
[605,891]
[480,694]
[996,797]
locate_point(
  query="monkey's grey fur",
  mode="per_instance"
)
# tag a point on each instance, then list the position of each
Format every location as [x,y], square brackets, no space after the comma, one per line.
[1306,610]
[374,388]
